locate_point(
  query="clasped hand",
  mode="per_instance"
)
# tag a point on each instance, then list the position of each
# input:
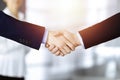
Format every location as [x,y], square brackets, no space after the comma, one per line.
[61,42]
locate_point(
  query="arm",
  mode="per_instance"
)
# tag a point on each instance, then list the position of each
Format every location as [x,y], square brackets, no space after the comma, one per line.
[22,32]
[101,32]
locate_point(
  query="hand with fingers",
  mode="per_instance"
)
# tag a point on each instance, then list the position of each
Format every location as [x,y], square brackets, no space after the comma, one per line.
[62,42]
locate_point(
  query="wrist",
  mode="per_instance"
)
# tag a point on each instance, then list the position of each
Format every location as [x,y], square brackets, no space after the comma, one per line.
[80,39]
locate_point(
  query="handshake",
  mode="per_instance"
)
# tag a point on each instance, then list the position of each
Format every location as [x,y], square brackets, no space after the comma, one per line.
[61,42]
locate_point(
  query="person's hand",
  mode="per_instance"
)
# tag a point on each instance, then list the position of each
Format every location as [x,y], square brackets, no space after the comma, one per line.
[71,37]
[62,42]
[58,44]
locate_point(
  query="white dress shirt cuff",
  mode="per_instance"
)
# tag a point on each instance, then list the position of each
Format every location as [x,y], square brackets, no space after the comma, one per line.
[81,41]
[45,36]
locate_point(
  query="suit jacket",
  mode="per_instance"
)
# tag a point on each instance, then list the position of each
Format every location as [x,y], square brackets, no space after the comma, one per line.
[101,32]
[28,34]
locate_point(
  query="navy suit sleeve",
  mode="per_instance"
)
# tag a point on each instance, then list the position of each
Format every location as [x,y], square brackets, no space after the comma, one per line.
[25,33]
[101,32]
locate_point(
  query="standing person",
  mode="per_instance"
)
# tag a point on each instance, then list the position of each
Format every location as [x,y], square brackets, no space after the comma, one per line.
[12,54]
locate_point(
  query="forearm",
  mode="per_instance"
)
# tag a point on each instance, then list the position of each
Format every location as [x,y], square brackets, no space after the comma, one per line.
[101,32]
[26,33]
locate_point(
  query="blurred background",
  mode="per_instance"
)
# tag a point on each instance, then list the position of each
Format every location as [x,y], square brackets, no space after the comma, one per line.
[101,62]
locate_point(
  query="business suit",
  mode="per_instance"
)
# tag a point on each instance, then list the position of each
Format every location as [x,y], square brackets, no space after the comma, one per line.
[101,32]
[22,32]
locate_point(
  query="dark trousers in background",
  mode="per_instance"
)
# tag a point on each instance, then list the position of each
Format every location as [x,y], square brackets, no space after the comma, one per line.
[10,78]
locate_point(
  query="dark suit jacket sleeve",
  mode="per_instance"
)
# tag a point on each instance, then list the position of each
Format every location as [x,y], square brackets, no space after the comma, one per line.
[28,34]
[101,32]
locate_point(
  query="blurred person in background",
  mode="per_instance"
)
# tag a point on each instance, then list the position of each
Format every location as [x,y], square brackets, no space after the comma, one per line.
[12,54]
